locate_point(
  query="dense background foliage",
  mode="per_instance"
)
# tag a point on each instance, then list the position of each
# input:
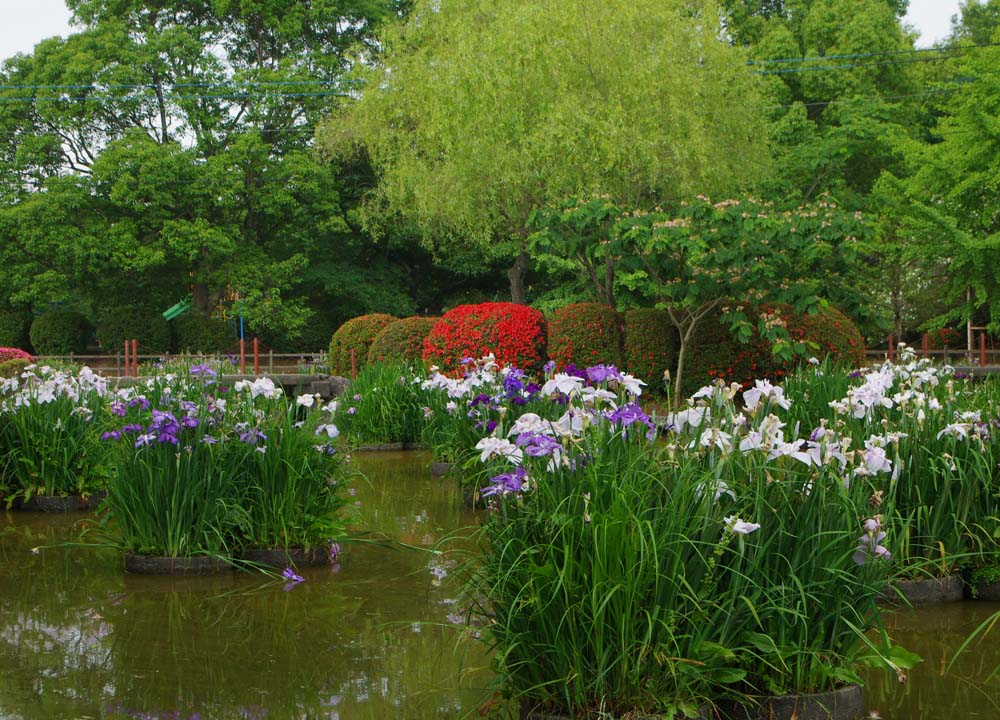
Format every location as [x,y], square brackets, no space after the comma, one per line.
[239,153]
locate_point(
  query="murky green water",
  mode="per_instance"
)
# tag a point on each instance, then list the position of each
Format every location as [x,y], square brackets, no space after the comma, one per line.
[372,639]
[969,688]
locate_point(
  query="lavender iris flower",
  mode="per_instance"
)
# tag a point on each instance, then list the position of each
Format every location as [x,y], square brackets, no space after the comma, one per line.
[505,483]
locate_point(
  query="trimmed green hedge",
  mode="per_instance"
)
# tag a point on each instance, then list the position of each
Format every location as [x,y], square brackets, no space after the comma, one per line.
[146,325]
[356,334]
[15,326]
[60,332]
[196,333]
[586,334]
[401,341]
[650,345]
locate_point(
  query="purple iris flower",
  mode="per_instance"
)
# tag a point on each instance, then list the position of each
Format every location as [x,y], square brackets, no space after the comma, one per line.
[118,409]
[603,373]
[537,445]
[549,367]
[513,383]
[252,435]
[512,482]
[481,399]
[532,389]
[141,401]
[111,435]
[289,574]
[202,370]
[131,428]
[573,370]
[629,414]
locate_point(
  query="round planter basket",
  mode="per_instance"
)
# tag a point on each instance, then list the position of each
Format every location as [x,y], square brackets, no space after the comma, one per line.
[844,703]
[529,711]
[292,557]
[59,503]
[925,591]
[160,565]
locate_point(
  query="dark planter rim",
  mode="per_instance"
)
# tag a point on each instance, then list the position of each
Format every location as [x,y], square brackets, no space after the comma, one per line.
[137,564]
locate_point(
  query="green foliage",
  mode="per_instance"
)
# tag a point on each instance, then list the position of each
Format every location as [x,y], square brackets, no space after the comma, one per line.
[15,325]
[401,341]
[355,337]
[60,332]
[382,405]
[14,367]
[198,333]
[586,334]
[49,434]
[650,346]
[144,324]
[560,101]
[826,334]
[735,257]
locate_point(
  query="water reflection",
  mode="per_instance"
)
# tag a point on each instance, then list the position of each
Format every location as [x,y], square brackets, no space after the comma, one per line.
[369,639]
[969,689]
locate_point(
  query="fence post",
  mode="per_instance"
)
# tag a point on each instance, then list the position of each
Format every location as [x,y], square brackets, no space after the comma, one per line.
[256,357]
[925,345]
[982,349]
[135,357]
[892,350]
[270,361]
[243,357]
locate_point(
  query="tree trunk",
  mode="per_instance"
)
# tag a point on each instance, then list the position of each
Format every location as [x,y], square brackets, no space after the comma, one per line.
[516,274]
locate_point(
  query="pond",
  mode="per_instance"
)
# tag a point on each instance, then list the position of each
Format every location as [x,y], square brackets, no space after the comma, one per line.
[372,638]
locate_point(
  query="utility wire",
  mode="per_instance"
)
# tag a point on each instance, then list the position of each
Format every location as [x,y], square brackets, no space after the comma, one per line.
[154,86]
[173,96]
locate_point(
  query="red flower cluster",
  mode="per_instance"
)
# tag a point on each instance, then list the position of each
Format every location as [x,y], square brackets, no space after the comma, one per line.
[12,353]
[515,334]
[586,334]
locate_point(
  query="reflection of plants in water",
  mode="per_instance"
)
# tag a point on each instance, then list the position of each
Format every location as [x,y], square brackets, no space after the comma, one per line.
[965,682]
[55,647]
[223,654]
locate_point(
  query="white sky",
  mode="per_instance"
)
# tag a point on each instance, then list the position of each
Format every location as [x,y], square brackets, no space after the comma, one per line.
[26,22]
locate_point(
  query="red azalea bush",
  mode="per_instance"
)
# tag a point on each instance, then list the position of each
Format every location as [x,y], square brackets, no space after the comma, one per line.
[586,334]
[356,334]
[944,337]
[650,345]
[716,354]
[515,334]
[401,341]
[12,353]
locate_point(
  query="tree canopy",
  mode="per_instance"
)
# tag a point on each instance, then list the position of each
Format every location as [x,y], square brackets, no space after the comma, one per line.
[476,112]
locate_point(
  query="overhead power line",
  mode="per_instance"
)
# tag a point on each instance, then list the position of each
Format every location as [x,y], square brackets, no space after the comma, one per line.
[155,86]
[172,96]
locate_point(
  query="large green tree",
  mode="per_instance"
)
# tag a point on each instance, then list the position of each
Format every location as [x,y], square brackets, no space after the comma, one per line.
[166,148]
[476,112]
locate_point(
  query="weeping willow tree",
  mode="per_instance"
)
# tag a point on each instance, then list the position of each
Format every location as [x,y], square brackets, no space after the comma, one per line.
[477,112]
